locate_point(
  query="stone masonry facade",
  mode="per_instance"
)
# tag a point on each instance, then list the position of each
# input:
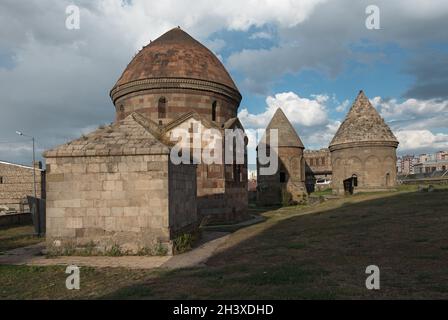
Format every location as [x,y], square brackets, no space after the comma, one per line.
[16,184]
[318,168]
[364,150]
[287,184]
[121,200]
[117,186]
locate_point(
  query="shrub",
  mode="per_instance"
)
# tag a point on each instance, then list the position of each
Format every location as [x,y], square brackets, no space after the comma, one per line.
[183,243]
[114,251]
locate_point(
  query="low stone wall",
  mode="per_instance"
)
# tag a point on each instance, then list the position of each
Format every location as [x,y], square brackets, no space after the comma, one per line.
[426,181]
[15,219]
[16,183]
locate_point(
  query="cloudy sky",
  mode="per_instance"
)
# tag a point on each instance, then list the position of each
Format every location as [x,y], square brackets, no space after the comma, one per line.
[310,57]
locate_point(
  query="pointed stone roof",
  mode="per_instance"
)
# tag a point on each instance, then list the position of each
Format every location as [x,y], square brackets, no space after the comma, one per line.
[363,124]
[287,135]
[130,136]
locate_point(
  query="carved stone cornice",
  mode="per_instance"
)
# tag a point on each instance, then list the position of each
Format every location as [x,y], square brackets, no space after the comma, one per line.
[174,83]
[393,144]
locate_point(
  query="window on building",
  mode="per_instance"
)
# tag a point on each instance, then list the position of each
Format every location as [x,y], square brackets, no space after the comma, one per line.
[214,111]
[282,177]
[161,108]
[1,180]
[323,161]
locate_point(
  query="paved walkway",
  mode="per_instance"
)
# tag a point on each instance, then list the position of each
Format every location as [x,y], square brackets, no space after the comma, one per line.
[31,255]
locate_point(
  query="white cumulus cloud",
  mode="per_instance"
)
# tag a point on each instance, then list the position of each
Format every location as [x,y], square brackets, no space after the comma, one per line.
[421,139]
[301,111]
[392,109]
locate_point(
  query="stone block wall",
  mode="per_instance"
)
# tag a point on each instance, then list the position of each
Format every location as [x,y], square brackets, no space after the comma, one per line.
[178,102]
[291,164]
[374,166]
[318,167]
[16,183]
[318,161]
[221,197]
[111,200]
[183,216]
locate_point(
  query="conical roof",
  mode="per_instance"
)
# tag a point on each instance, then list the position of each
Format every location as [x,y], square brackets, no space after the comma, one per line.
[363,124]
[287,135]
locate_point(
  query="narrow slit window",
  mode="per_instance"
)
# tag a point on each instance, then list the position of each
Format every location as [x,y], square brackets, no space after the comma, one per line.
[162,108]
[214,111]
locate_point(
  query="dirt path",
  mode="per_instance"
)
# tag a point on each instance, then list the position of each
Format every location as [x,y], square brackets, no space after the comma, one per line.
[31,255]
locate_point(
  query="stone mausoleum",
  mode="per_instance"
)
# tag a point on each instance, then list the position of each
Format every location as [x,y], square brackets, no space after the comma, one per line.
[118,185]
[363,148]
[287,184]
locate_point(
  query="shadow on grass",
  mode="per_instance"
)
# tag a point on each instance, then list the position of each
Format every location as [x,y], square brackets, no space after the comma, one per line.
[324,255]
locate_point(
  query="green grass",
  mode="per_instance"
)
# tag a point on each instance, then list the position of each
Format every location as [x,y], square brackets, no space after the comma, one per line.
[324,192]
[31,282]
[414,187]
[318,252]
[17,236]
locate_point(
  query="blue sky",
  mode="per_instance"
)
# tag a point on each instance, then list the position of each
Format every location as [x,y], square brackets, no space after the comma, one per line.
[309,57]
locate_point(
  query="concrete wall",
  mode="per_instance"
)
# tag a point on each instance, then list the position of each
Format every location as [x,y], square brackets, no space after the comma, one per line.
[117,200]
[373,165]
[17,183]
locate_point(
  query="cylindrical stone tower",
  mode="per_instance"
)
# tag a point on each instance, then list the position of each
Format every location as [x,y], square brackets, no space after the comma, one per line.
[364,148]
[173,75]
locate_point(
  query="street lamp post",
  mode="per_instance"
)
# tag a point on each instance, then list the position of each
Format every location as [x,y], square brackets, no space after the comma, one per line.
[34,178]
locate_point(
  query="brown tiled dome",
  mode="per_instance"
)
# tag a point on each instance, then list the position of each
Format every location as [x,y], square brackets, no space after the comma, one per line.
[175,55]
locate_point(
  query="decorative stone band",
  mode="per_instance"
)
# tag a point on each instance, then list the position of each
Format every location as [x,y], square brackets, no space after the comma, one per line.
[280,145]
[174,83]
[122,151]
[357,144]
